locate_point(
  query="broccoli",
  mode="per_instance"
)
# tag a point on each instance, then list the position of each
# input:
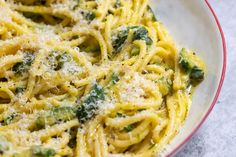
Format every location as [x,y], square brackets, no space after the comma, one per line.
[10,118]
[114,78]
[87,110]
[19,90]
[57,61]
[24,66]
[89,15]
[129,128]
[119,39]
[149,9]
[140,33]
[135,51]
[62,59]
[197,74]
[39,151]
[117,4]
[192,64]
[165,85]
[56,115]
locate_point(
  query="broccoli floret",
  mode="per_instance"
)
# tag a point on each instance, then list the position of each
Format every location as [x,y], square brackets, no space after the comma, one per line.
[62,59]
[39,151]
[10,118]
[149,9]
[57,60]
[117,4]
[89,15]
[135,51]
[119,39]
[197,74]
[19,90]
[87,110]
[140,33]
[24,66]
[192,64]
[114,78]
[56,115]
[165,85]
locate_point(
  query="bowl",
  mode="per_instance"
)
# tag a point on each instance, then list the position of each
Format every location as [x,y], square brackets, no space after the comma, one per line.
[193,24]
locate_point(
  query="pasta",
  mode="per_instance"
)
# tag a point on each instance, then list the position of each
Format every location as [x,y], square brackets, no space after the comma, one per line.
[90,78]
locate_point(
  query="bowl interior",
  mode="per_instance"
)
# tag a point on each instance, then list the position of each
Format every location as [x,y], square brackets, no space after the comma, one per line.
[192,25]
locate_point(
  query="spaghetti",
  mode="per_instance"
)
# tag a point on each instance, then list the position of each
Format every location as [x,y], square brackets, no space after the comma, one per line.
[90,78]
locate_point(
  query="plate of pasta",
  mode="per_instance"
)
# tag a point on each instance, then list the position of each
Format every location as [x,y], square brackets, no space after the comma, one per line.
[106,78]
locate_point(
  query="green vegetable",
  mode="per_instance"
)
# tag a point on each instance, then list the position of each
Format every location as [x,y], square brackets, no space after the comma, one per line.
[87,110]
[135,51]
[152,13]
[140,33]
[119,39]
[57,60]
[165,85]
[62,59]
[117,4]
[24,66]
[56,115]
[19,90]
[89,15]
[192,64]
[129,128]
[120,114]
[114,78]
[39,151]
[10,118]
[197,74]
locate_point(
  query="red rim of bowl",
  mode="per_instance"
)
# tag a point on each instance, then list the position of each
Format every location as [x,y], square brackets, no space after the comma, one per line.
[218,89]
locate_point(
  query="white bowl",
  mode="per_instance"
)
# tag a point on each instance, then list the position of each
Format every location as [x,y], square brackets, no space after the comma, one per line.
[193,24]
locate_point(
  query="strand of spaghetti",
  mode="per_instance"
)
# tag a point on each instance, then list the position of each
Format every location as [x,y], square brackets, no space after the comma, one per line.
[102,9]
[33,9]
[107,34]
[143,47]
[67,151]
[131,141]
[97,35]
[80,145]
[56,129]
[7,61]
[141,9]
[5,93]
[122,122]
[135,132]
[102,142]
